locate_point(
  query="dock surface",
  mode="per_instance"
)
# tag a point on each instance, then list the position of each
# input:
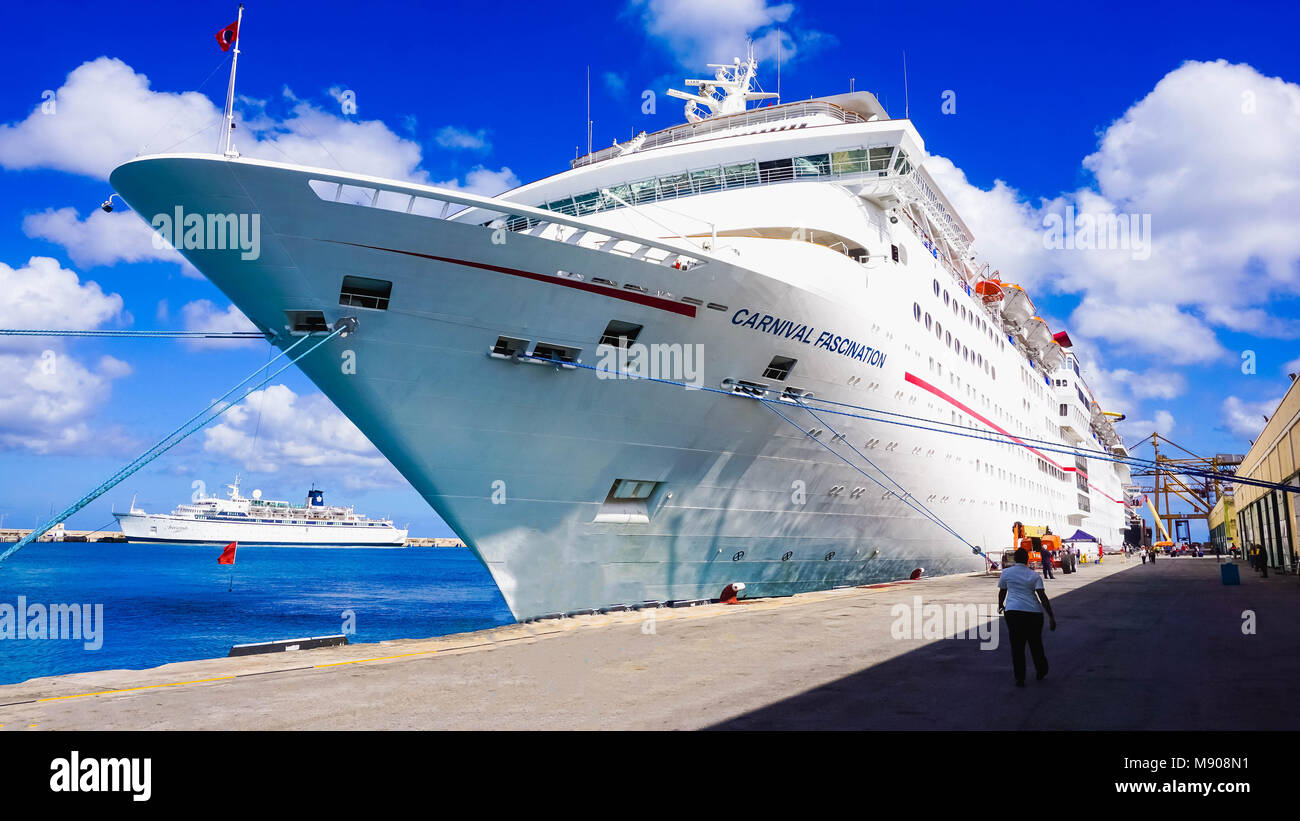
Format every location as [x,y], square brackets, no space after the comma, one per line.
[1137,647]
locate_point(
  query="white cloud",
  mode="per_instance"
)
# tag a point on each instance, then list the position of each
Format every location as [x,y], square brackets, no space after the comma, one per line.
[43,294]
[204,315]
[106,114]
[298,432]
[103,238]
[49,396]
[715,32]
[483,181]
[1134,430]
[1208,156]
[459,139]
[615,84]
[1247,419]
[1292,367]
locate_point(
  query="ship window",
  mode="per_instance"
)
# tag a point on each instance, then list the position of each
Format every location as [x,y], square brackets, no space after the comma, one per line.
[674,185]
[644,190]
[927,321]
[619,334]
[852,161]
[893,251]
[776,170]
[742,174]
[356,195]
[586,203]
[936,287]
[364,292]
[557,353]
[707,179]
[632,489]
[1065,410]
[779,368]
[509,346]
[945,298]
[947,339]
[916,311]
[938,330]
[880,158]
[901,165]
[814,165]
[306,322]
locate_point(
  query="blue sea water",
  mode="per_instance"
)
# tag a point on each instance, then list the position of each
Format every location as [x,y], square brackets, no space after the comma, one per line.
[165,603]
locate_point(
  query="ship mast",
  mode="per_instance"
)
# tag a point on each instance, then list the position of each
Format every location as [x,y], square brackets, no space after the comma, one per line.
[229,120]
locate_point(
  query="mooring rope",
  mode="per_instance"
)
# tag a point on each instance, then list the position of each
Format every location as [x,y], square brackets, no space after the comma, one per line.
[172,439]
[110,334]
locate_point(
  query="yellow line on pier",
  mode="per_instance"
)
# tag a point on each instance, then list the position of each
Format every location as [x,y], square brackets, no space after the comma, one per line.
[130,689]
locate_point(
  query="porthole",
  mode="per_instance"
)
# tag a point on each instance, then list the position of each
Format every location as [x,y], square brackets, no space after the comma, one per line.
[947,339]
[916,311]
[945,298]
[938,330]
[927,321]
[830,555]
[936,287]
[785,557]
[740,554]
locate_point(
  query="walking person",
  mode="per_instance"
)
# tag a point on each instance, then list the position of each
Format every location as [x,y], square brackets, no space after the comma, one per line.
[1261,561]
[1046,553]
[1144,557]
[1022,600]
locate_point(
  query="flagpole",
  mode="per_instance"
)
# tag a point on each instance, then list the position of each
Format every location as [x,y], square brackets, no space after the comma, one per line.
[230,90]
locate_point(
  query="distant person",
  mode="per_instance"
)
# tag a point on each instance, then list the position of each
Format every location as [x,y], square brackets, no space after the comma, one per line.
[1022,599]
[1250,557]
[1153,555]
[1144,557]
[1261,562]
[1046,553]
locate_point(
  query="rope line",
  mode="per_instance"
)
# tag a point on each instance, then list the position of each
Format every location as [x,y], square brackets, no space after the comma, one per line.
[114,334]
[995,437]
[904,498]
[171,440]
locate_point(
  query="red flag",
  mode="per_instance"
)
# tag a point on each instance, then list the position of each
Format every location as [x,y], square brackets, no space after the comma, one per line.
[228,555]
[227,36]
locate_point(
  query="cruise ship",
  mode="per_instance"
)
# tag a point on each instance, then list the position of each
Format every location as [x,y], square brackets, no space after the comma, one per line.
[236,518]
[755,347]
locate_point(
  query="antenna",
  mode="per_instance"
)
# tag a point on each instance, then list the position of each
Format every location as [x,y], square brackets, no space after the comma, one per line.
[778,66]
[589,109]
[906,110]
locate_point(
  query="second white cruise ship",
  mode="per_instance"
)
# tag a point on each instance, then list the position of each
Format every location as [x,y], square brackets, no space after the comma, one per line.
[236,518]
[754,347]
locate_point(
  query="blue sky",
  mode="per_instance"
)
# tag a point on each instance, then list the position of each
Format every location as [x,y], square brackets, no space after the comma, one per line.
[484,96]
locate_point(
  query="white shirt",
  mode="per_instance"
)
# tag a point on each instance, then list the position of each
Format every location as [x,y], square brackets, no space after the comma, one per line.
[1020,583]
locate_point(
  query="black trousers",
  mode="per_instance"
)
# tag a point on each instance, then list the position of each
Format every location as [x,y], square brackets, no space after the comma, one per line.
[1026,627]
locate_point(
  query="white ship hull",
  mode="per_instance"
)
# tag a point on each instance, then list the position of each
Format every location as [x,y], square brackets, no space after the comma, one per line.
[138,527]
[518,458]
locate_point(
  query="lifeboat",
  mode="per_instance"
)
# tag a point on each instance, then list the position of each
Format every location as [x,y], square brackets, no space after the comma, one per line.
[1016,304]
[989,290]
[1051,356]
[1035,333]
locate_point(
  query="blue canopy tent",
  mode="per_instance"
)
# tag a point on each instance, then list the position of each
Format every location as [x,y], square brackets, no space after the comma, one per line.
[1080,536]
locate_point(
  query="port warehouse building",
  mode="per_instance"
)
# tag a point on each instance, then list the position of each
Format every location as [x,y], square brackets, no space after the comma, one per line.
[1265,517]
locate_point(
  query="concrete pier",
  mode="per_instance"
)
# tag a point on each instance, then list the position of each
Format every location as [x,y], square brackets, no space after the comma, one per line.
[1138,647]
